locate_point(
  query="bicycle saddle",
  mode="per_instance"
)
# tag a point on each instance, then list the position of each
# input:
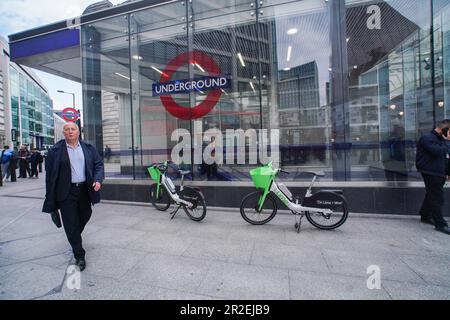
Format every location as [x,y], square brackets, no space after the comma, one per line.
[315,173]
[184,172]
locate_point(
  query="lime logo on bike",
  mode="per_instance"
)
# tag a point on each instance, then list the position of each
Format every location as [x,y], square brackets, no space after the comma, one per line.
[282,197]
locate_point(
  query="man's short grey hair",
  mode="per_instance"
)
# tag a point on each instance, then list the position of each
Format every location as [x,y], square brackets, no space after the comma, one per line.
[67,123]
[444,123]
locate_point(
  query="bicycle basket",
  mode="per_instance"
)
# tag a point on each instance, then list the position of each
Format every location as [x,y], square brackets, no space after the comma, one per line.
[263,176]
[154,173]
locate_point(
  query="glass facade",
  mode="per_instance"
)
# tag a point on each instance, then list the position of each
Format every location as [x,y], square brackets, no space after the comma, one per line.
[31,111]
[349,85]
[2,111]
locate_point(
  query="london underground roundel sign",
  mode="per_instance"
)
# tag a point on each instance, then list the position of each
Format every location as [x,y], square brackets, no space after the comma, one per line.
[214,82]
[70,114]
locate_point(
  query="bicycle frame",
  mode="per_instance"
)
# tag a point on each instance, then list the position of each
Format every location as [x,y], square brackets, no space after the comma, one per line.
[294,207]
[163,181]
[265,177]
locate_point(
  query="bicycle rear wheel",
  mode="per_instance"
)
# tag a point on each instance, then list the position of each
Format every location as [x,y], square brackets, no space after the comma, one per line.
[198,211]
[249,209]
[162,201]
[329,222]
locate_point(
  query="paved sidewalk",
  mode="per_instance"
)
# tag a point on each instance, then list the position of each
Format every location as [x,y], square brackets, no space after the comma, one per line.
[136,252]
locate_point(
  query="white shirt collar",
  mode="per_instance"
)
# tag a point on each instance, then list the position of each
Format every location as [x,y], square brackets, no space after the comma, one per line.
[69,146]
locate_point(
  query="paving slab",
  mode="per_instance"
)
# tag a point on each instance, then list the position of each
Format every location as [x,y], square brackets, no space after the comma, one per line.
[29,281]
[171,272]
[356,264]
[412,291]
[313,286]
[245,282]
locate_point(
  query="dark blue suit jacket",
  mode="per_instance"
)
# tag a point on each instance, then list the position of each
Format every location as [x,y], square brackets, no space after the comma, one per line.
[431,156]
[59,175]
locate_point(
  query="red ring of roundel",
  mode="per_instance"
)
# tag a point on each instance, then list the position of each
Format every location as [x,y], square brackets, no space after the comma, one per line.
[72,119]
[211,99]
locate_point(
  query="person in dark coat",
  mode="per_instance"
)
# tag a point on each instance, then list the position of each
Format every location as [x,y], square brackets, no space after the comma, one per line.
[432,162]
[13,165]
[74,174]
[35,159]
[107,153]
[24,167]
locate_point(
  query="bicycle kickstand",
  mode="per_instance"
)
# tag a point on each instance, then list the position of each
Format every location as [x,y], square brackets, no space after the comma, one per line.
[298,224]
[174,212]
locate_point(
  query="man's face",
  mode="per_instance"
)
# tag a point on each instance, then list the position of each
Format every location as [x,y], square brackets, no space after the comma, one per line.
[71,132]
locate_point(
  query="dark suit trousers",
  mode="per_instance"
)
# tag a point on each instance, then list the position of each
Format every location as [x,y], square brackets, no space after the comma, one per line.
[434,199]
[75,213]
[34,169]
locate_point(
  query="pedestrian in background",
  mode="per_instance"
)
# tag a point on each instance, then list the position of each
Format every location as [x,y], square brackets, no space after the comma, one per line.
[107,153]
[13,164]
[42,152]
[432,162]
[35,159]
[24,167]
[5,159]
[74,174]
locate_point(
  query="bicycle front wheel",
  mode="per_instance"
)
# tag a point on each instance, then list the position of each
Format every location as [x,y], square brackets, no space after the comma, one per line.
[198,210]
[329,222]
[161,201]
[249,209]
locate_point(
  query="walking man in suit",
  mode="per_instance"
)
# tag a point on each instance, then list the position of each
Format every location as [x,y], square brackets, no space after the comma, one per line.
[74,174]
[431,161]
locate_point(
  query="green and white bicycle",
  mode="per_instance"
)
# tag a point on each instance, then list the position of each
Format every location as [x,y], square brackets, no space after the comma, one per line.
[163,192]
[325,209]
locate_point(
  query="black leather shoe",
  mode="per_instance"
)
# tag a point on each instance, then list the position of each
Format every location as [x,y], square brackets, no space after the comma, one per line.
[444,229]
[427,221]
[81,263]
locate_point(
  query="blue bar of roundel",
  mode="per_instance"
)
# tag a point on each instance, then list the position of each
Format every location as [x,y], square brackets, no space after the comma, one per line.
[46,43]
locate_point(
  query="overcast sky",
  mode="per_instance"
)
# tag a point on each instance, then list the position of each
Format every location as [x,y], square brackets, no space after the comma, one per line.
[20,15]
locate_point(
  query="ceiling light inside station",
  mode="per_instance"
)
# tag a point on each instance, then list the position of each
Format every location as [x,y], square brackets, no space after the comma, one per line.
[253,87]
[292,31]
[198,66]
[121,75]
[241,59]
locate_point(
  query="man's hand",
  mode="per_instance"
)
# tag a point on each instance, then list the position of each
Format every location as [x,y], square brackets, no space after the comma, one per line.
[446,137]
[97,186]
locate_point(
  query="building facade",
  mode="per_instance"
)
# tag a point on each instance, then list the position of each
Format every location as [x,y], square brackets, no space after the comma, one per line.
[349,86]
[59,126]
[5,123]
[31,109]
